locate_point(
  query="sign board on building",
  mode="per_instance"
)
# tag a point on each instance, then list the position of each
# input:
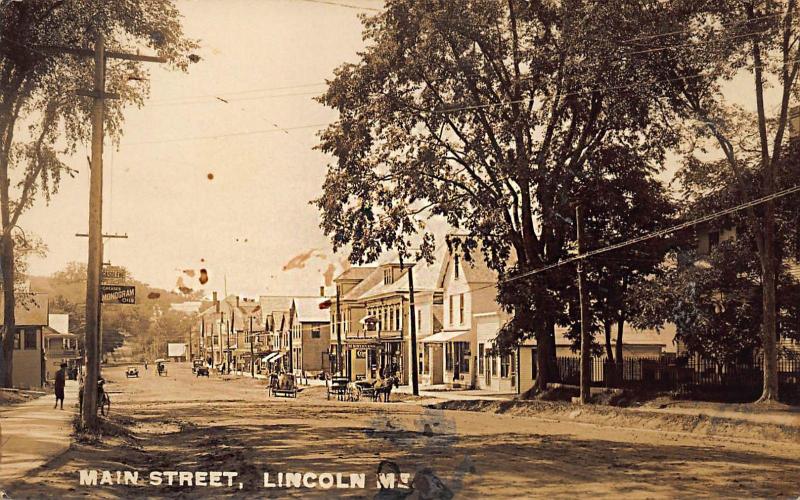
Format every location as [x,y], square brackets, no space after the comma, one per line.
[176,350]
[117,294]
[112,274]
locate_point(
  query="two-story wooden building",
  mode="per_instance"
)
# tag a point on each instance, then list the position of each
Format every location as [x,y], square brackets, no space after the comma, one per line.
[374,308]
[309,329]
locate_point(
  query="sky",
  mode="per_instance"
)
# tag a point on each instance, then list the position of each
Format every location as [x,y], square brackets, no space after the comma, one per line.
[267,58]
[223,184]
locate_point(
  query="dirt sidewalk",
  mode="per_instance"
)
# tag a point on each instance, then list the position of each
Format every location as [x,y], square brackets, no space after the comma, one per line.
[33,433]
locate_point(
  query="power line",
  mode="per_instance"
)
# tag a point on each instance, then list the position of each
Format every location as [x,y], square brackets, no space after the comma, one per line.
[340,4]
[701,74]
[678,32]
[234,134]
[692,44]
[238,92]
[217,99]
[657,234]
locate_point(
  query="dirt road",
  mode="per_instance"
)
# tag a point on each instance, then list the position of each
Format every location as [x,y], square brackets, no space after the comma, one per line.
[181,423]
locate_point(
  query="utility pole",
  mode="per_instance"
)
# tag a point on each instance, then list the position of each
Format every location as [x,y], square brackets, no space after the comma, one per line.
[412,318]
[95,258]
[412,315]
[219,335]
[190,343]
[228,345]
[338,333]
[291,334]
[586,340]
[252,353]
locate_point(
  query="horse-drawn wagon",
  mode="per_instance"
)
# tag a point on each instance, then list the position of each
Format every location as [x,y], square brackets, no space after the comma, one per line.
[284,385]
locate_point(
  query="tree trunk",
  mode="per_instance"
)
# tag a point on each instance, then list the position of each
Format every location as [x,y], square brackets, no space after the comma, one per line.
[546,365]
[609,351]
[9,303]
[619,360]
[769,340]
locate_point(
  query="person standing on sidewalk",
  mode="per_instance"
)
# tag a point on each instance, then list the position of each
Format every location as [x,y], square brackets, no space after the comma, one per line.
[61,380]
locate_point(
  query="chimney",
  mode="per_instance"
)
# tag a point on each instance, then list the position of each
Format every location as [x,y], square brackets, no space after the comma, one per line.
[216,301]
[321,291]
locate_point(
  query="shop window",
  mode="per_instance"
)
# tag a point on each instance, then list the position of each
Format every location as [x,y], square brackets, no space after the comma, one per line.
[448,356]
[494,366]
[315,333]
[17,343]
[505,364]
[462,356]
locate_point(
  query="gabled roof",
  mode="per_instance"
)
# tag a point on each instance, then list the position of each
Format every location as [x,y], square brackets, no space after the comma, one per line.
[355,273]
[425,277]
[475,270]
[271,303]
[308,310]
[373,278]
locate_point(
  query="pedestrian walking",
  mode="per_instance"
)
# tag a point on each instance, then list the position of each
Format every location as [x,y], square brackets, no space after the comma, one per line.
[61,380]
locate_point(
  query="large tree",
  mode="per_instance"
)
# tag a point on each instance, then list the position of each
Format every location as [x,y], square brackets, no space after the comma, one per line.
[759,41]
[43,121]
[499,116]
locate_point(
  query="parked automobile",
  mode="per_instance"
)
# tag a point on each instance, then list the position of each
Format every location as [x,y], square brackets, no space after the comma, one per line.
[197,363]
[201,371]
[132,371]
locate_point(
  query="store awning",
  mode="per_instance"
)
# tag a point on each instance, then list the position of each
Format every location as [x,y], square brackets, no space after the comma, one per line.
[368,319]
[441,337]
[271,357]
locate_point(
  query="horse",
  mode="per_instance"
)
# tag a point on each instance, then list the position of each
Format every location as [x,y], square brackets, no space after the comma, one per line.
[285,381]
[383,387]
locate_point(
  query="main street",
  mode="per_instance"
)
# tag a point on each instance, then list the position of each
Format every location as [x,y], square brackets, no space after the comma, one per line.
[183,423]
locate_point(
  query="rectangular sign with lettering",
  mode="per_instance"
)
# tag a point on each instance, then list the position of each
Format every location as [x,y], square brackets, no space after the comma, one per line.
[112,274]
[118,294]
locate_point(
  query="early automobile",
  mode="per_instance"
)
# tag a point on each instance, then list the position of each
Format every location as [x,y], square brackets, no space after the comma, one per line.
[132,371]
[201,371]
[161,367]
[197,363]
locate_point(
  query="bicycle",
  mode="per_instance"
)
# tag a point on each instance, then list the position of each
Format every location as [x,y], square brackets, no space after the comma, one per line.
[103,399]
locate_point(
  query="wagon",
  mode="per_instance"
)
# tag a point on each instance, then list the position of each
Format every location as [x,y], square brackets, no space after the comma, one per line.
[161,368]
